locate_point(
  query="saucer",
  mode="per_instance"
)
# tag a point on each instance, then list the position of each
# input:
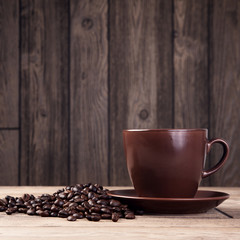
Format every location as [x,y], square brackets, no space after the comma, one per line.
[202,202]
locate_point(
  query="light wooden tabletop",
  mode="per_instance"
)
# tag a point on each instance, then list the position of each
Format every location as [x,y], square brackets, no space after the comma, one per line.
[220,223]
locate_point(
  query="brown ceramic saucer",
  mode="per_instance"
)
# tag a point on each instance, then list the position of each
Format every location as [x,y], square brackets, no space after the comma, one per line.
[202,202]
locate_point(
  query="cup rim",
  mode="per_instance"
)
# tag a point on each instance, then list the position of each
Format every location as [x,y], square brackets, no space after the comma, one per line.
[166,130]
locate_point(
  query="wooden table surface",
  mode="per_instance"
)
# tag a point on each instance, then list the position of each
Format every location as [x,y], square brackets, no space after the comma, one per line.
[220,223]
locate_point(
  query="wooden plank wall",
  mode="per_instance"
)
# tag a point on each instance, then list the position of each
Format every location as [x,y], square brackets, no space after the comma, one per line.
[74,73]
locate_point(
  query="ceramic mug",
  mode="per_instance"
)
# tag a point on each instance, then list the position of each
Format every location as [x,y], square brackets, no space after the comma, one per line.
[169,163]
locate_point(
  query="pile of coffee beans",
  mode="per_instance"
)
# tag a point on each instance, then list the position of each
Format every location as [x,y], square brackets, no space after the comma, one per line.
[89,201]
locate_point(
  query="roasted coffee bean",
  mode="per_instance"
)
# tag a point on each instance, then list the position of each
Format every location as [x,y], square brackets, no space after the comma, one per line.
[80,208]
[59,202]
[115,217]
[63,213]
[95,198]
[85,191]
[116,209]
[104,196]
[78,215]
[54,214]
[44,213]
[9,211]
[12,201]
[73,205]
[91,202]
[114,203]
[62,195]
[73,202]
[102,202]
[93,188]
[88,217]
[22,210]
[3,208]
[55,208]
[70,195]
[86,205]
[91,195]
[105,210]
[130,215]
[31,211]
[94,210]
[77,189]
[95,217]
[38,208]
[3,202]
[39,212]
[47,206]
[45,197]
[79,200]
[106,216]
[71,218]
[84,197]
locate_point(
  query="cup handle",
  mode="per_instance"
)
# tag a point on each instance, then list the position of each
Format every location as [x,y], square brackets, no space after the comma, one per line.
[223,158]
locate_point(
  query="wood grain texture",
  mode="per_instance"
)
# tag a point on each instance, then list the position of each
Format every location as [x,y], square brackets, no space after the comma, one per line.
[44,92]
[9,63]
[9,157]
[191,64]
[225,86]
[211,225]
[140,73]
[89,91]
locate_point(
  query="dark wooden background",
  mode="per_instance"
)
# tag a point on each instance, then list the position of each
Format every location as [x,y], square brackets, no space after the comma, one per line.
[74,73]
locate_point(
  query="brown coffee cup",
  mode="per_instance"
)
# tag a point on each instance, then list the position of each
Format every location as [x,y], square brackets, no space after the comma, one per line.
[168,163]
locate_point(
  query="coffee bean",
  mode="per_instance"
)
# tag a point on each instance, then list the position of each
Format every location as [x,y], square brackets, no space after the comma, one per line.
[86,205]
[93,188]
[31,211]
[95,217]
[73,202]
[54,214]
[70,195]
[45,197]
[59,202]
[116,209]
[63,213]
[3,208]
[55,208]
[105,210]
[71,218]
[38,208]
[79,200]
[22,210]
[91,202]
[78,215]
[88,217]
[44,213]
[3,202]
[106,216]
[85,191]
[80,208]
[102,202]
[130,215]
[62,195]
[115,217]
[73,205]
[91,195]
[94,210]
[9,211]
[47,206]
[26,197]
